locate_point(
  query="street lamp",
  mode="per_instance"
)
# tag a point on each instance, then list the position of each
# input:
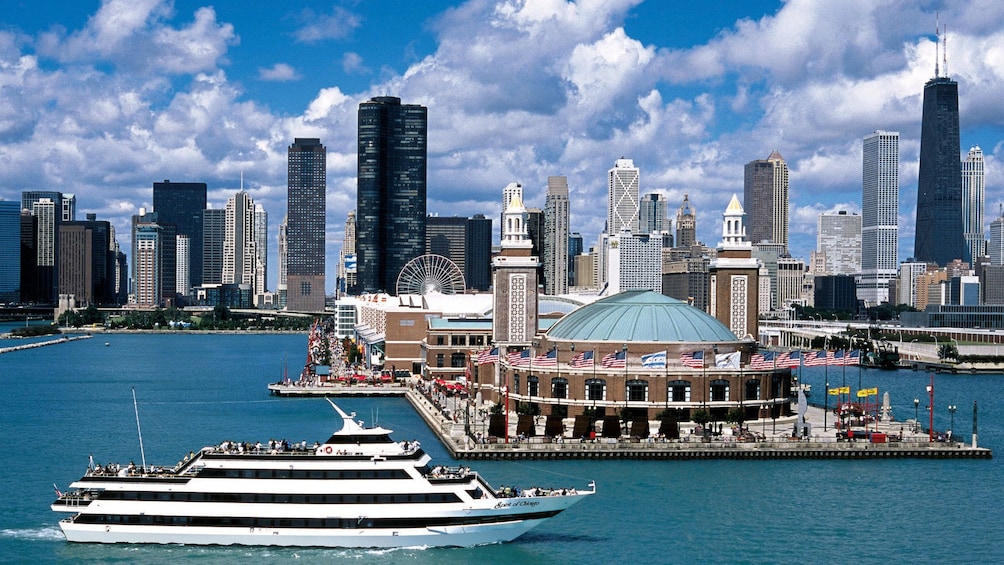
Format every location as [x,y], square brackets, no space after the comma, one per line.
[916,413]
[951,410]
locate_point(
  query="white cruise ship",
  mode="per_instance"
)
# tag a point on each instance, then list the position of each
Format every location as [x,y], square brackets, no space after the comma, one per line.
[357,489]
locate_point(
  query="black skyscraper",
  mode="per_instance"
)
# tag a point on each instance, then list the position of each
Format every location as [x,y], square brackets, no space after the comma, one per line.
[939,237]
[181,204]
[391,190]
[305,224]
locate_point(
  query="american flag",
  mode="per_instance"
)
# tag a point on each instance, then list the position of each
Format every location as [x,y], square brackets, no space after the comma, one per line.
[853,358]
[549,359]
[762,361]
[582,360]
[693,360]
[487,356]
[519,358]
[615,360]
[837,359]
[791,360]
[816,358]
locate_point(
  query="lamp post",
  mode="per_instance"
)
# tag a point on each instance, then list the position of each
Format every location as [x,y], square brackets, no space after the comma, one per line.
[916,413]
[624,349]
[951,410]
[930,410]
[764,420]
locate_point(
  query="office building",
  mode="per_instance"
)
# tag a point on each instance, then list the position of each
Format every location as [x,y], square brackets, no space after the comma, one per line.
[634,262]
[622,196]
[67,208]
[214,231]
[478,259]
[906,285]
[879,216]
[147,263]
[305,225]
[574,250]
[10,251]
[838,238]
[349,253]
[183,265]
[181,205]
[653,214]
[765,199]
[939,228]
[686,224]
[260,281]
[995,247]
[447,236]
[391,190]
[555,251]
[283,250]
[973,198]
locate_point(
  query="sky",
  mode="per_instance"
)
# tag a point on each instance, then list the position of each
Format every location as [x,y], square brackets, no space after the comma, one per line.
[103,98]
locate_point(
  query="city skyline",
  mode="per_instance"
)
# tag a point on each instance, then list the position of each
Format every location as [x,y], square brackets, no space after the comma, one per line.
[519,92]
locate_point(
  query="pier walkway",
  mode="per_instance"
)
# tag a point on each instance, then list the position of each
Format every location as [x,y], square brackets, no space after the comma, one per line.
[35,344]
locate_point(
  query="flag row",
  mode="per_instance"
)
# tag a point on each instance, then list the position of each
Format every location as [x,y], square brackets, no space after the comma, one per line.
[761,361]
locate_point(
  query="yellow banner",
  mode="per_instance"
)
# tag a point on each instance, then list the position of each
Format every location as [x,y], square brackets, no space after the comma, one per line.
[834,391]
[873,392]
[862,393]
[845,390]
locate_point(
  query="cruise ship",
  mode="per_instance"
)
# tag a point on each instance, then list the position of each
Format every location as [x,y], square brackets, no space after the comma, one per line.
[359,488]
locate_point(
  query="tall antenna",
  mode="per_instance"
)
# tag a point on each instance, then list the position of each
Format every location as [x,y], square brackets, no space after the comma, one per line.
[937,42]
[944,50]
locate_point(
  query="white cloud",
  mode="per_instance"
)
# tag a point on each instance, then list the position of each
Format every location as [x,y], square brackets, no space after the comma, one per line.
[340,23]
[353,63]
[279,72]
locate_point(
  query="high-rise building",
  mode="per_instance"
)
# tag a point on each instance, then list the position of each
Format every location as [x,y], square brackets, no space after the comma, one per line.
[574,250]
[214,231]
[686,224]
[87,262]
[973,196]
[10,251]
[47,246]
[68,208]
[838,238]
[653,214]
[555,252]
[447,236]
[391,190]
[939,229]
[147,262]
[634,262]
[260,284]
[281,287]
[181,204]
[995,248]
[623,182]
[765,199]
[305,224]
[183,265]
[239,240]
[879,216]
[349,253]
[478,260]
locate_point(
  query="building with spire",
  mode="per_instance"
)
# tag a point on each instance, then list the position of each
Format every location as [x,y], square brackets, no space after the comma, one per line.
[733,296]
[939,236]
[555,252]
[622,196]
[879,216]
[973,199]
[765,195]
[686,224]
[514,275]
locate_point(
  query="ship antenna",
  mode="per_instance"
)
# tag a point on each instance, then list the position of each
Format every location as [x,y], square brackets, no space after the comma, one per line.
[139,430]
[937,42]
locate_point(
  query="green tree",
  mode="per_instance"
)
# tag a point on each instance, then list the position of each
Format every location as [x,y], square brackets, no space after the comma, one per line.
[948,351]
[736,415]
[701,417]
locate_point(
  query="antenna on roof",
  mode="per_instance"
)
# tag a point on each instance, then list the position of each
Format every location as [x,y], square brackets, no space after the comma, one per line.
[944,50]
[937,42]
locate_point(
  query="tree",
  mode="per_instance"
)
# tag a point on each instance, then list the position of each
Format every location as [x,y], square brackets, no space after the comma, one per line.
[948,351]
[701,417]
[736,415]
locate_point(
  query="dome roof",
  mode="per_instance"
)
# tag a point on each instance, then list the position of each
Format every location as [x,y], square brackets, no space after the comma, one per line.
[640,316]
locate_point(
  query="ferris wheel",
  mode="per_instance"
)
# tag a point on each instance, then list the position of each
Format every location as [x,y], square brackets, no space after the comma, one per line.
[431,273]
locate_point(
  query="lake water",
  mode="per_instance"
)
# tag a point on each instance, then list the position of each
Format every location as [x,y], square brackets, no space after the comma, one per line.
[63,402]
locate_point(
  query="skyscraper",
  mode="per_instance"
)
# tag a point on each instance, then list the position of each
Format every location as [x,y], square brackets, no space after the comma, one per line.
[653,214]
[686,224]
[305,226]
[879,216]
[574,250]
[261,251]
[973,197]
[181,204]
[47,217]
[214,230]
[478,261]
[391,190]
[555,252]
[939,236]
[622,196]
[838,237]
[349,253]
[10,251]
[240,253]
[995,248]
[147,260]
[282,246]
[765,199]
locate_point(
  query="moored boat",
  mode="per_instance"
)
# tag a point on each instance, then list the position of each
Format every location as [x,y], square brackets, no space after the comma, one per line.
[357,489]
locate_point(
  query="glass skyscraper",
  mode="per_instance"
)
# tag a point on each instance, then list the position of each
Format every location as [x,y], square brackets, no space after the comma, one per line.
[10,251]
[181,204]
[939,237]
[879,216]
[305,225]
[973,198]
[391,191]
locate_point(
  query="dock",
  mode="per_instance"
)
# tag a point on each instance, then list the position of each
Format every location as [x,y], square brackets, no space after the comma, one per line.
[821,445]
[33,345]
[320,390]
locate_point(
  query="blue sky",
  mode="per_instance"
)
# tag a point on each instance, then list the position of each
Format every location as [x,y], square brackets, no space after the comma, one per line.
[101,99]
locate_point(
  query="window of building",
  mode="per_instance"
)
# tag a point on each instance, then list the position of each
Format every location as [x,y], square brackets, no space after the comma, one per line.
[533,385]
[476,340]
[559,387]
[776,382]
[752,391]
[679,391]
[458,360]
[458,340]
[439,359]
[637,391]
[596,389]
[719,390]
[515,383]
[440,340]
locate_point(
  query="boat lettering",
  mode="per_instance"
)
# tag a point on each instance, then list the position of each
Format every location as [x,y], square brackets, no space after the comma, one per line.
[515,503]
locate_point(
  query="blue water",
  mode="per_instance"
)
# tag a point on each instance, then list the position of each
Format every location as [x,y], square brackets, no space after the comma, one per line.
[63,402]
